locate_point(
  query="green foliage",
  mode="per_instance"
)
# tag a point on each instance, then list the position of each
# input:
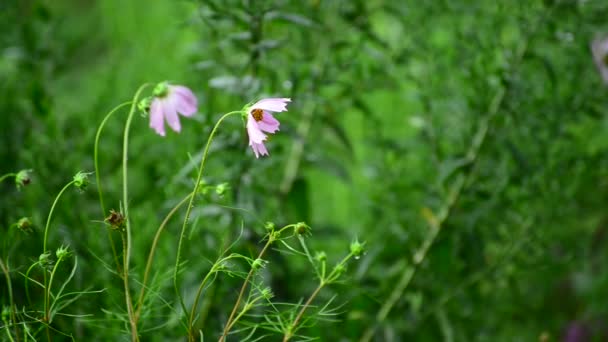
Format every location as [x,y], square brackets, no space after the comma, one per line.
[446,156]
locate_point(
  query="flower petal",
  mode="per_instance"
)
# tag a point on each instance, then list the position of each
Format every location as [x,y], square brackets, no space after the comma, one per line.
[184,100]
[255,134]
[171,114]
[272,104]
[258,149]
[156,117]
[269,123]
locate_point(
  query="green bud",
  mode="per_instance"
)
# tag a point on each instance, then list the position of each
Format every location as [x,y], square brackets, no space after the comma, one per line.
[301,228]
[161,89]
[81,180]
[144,105]
[269,226]
[24,224]
[221,189]
[321,256]
[258,264]
[23,178]
[45,260]
[267,293]
[357,248]
[63,253]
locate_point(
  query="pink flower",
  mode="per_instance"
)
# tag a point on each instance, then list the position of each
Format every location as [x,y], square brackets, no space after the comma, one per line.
[169,100]
[259,120]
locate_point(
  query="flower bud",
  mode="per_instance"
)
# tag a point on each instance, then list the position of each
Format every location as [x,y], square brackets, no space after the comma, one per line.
[357,248]
[221,189]
[301,228]
[24,224]
[321,256]
[269,226]
[116,220]
[144,105]
[267,293]
[161,89]
[258,264]
[23,178]
[45,260]
[81,180]
[63,253]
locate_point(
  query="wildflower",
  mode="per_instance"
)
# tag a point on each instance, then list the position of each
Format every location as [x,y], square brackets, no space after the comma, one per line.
[169,100]
[599,48]
[357,248]
[301,228]
[260,120]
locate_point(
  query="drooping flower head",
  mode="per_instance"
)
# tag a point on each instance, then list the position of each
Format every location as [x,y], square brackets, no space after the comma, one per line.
[168,101]
[260,120]
[599,48]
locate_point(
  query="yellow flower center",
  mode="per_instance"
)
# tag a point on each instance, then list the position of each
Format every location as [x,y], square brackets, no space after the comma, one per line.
[257,114]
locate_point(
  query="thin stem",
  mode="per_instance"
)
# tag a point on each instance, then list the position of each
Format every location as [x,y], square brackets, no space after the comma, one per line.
[292,329]
[3,177]
[98,176]
[195,304]
[335,274]
[125,200]
[190,205]
[229,323]
[153,250]
[47,294]
[11,301]
[48,219]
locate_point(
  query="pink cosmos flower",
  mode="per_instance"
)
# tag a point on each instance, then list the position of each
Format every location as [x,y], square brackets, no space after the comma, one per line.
[169,100]
[259,120]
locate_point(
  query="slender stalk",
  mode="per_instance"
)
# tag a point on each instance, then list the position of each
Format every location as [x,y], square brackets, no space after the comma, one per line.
[289,334]
[272,236]
[191,204]
[3,177]
[48,219]
[335,274]
[153,250]
[11,301]
[229,323]
[125,200]
[47,294]
[44,242]
[191,337]
[98,176]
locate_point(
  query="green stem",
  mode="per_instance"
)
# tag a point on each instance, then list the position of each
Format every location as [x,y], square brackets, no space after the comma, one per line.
[47,294]
[27,276]
[125,200]
[152,251]
[98,176]
[190,205]
[48,219]
[271,238]
[3,177]
[191,337]
[334,275]
[11,301]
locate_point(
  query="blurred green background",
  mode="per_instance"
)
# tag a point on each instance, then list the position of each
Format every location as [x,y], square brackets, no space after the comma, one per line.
[464,141]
